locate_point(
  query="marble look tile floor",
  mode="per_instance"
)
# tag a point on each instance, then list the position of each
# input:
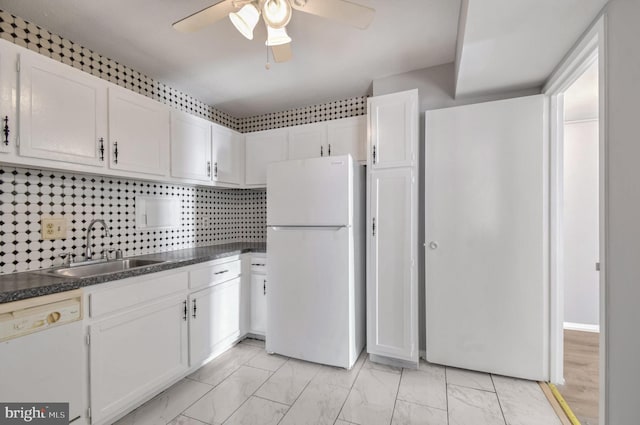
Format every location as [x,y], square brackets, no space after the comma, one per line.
[247,386]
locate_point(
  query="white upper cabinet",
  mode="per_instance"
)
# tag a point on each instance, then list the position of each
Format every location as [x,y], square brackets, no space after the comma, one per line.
[329,138]
[348,136]
[63,112]
[263,148]
[393,127]
[227,157]
[190,147]
[138,133]
[308,141]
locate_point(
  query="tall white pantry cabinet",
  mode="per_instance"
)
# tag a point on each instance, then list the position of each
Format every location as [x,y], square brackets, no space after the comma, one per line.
[392,217]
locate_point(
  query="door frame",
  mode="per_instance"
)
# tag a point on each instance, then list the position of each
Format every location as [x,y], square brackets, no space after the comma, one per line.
[589,48]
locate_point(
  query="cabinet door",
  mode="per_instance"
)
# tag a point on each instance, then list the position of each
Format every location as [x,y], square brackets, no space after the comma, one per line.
[348,136]
[63,112]
[190,147]
[136,353]
[392,290]
[258,304]
[393,129]
[8,130]
[214,321]
[308,141]
[138,133]
[263,148]
[227,156]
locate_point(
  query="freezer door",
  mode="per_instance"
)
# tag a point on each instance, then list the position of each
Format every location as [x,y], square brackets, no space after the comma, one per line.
[315,191]
[310,294]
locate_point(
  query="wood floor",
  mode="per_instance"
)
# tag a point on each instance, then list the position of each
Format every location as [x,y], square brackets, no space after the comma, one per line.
[581,375]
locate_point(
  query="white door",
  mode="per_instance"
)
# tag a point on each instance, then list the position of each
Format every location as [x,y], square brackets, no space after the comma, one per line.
[310,192]
[214,321]
[348,136]
[138,133]
[263,148]
[190,147]
[486,234]
[133,354]
[311,287]
[227,156]
[393,129]
[258,304]
[308,141]
[392,290]
[63,112]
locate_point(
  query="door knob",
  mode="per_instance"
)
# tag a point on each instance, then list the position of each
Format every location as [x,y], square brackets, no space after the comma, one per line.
[433,245]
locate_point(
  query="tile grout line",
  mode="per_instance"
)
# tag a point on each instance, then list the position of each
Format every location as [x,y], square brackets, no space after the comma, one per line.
[504,418]
[395,401]
[352,385]
[294,401]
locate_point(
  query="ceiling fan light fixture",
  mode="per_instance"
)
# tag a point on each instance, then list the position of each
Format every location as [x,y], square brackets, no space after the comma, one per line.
[245,19]
[276,13]
[277,36]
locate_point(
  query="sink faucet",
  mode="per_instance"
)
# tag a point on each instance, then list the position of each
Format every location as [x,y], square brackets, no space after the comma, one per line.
[88,254]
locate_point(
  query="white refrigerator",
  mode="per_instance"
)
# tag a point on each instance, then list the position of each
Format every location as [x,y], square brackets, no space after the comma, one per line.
[316,260]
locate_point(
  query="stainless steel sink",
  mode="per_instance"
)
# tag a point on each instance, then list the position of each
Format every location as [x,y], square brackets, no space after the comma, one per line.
[99,268]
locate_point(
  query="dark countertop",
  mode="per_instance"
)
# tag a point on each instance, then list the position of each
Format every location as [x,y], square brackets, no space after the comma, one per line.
[19,286]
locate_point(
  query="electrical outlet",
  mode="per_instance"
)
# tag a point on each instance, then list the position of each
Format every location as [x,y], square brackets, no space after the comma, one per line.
[53,228]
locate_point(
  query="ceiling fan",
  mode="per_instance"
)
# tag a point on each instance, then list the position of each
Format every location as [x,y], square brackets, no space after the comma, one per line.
[245,14]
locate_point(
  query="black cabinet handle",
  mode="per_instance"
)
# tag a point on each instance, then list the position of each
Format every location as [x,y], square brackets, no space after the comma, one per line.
[195,307]
[184,314]
[208,168]
[258,264]
[321,150]
[222,272]
[329,150]
[115,152]
[374,154]
[101,148]
[374,226]
[215,169]
[264,287]
[5,130]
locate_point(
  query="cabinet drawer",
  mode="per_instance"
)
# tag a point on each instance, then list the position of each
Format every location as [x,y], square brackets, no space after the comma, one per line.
[135,292]
[214,273]
[259,265]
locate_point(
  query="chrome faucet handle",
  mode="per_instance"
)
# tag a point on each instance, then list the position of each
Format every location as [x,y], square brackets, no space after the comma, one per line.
[119,254]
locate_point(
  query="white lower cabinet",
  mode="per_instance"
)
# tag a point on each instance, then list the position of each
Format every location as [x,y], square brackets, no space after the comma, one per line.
[132,355]
[214,321]
[259,304]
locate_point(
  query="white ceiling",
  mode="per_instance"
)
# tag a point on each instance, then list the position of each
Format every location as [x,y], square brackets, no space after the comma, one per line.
[511,45]
[581,98]
[223,69]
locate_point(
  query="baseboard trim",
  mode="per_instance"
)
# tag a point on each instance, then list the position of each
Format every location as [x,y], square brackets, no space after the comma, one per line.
[581,327]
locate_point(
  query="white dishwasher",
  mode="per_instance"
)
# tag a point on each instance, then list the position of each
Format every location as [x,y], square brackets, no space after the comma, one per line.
[41,351]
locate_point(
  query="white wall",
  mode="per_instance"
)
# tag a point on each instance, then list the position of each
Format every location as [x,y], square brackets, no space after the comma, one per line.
[581,242]
[436,87]
[623,213]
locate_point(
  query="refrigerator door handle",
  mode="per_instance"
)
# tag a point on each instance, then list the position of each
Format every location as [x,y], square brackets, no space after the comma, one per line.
[342,226]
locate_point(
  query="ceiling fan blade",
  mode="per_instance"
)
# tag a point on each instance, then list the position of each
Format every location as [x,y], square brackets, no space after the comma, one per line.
[205,17]
[282,53]
[339,10]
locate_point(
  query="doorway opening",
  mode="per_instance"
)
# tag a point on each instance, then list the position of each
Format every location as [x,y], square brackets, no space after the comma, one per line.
[577,223]
[580,245]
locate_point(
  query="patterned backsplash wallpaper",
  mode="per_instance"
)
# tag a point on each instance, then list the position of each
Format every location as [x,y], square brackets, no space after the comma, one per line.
[209,216]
